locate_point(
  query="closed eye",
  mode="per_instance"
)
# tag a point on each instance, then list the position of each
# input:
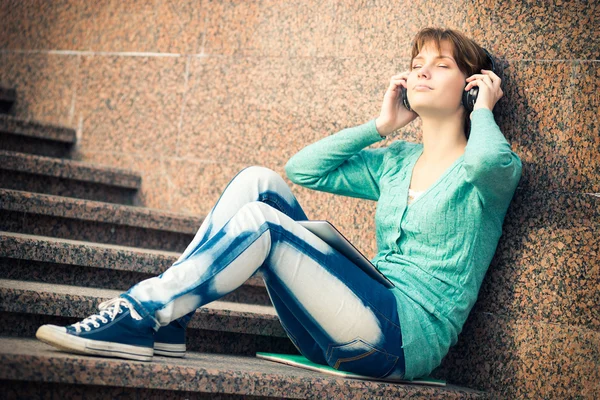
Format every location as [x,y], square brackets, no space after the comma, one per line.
[441,66]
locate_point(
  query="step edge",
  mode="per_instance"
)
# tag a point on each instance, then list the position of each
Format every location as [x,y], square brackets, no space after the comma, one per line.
[36,288]
[59,248]
[73,170]
[297,378]
[23,201]
[63,135]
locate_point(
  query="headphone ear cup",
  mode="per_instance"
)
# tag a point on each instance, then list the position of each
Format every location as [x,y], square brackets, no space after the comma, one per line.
[404,96]
[469,98]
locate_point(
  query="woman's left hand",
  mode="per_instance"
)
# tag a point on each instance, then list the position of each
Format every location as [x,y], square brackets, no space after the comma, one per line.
[489,89]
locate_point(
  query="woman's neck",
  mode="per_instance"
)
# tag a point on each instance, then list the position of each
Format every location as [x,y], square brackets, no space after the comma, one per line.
[443,138]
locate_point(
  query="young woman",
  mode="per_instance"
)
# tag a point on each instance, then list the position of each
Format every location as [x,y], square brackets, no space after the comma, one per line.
[441,206]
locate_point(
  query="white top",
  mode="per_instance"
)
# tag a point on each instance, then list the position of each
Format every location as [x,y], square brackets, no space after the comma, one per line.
[412,195]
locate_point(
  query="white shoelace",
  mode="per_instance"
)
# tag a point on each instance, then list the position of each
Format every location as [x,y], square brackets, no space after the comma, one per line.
[109,308]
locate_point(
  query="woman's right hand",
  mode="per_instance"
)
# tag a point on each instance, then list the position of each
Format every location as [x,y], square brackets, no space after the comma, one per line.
[393,114]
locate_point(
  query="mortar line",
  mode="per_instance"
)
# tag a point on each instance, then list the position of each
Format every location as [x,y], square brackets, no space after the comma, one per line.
[183,103]
[95,53]
[203,54]
[74,94]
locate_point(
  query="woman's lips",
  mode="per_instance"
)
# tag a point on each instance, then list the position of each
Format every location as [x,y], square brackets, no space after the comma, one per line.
[422,87]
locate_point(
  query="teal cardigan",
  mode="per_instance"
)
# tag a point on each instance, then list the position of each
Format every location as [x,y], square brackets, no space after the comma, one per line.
[437,249]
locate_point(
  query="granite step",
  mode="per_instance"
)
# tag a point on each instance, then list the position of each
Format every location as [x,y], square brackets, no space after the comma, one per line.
[40,174]
[32,368]
[27,136]
[94,221]
[218,327]
[7,98]
[78,263]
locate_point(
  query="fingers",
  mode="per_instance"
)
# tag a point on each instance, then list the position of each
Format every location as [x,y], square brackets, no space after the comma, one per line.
[489,78]
[486,72]
[403,75]
[478,82]
[400,76]
[398,80]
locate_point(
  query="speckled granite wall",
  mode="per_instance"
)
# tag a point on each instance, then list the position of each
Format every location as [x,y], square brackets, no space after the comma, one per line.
[190,92]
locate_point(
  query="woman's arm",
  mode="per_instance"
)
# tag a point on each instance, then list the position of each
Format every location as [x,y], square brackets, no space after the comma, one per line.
[339,163]
[491,166]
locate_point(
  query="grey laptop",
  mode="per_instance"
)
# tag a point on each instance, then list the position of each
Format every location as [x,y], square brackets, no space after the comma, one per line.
[330,235]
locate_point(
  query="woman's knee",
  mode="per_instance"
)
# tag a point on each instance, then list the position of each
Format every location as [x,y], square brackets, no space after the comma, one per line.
[257,173]
[267,186]
[253,214]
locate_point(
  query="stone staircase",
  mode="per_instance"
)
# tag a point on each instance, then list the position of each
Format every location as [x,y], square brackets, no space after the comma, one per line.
[72,235]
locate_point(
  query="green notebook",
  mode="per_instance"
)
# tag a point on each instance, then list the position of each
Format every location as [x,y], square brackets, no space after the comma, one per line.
[303,362]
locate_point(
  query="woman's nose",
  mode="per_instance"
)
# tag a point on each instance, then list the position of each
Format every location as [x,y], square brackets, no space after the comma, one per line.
[423,71]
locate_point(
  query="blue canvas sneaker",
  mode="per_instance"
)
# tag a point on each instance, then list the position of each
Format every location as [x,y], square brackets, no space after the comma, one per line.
[116,331]
[169,340]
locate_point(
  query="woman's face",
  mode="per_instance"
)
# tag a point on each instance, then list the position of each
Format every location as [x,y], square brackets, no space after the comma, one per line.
[435,82]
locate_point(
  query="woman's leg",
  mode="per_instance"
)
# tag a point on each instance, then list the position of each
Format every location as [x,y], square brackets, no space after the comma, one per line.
[332,310]
[126,338]
[321,296]
[254,183]
[250,184]
[352,318]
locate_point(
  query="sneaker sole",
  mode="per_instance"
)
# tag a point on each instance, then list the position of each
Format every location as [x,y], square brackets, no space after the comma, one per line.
[54,336]
[169,349]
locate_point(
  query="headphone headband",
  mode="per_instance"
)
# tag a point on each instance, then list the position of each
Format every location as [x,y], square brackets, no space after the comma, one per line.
[491,60]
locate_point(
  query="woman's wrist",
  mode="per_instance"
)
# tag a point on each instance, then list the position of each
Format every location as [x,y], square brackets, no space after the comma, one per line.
[382,128]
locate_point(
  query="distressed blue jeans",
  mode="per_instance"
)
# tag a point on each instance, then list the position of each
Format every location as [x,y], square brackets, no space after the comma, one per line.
[332,311]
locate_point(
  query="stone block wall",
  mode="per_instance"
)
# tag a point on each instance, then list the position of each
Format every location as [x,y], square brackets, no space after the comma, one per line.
[190,92]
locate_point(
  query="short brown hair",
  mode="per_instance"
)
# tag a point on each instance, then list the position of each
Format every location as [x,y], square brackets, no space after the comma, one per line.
[469,56]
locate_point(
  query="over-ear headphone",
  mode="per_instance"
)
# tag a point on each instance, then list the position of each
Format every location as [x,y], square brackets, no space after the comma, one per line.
[468,98]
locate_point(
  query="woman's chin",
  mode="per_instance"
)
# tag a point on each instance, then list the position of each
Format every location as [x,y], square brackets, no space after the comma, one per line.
[431,110]
[423,109]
